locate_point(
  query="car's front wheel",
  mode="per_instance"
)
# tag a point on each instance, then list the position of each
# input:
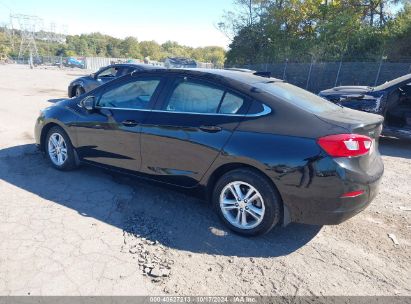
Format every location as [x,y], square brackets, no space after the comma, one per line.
[247,202]
[59,149]
[79,91]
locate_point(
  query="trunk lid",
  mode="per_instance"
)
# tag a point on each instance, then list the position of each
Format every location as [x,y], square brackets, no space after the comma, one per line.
[355,121]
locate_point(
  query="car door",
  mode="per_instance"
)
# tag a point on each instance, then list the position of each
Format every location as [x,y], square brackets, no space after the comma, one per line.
[184,134]
[110,134]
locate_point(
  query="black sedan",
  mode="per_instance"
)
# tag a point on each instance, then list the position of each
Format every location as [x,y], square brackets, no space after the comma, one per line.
[263,151]
[87,83]
[391,100]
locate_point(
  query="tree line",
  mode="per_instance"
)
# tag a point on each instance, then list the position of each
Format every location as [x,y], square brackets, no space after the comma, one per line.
[268,31]
[97,44]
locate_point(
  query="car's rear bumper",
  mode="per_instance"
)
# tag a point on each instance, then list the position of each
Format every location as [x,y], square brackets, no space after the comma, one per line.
[320,201]
[347,208]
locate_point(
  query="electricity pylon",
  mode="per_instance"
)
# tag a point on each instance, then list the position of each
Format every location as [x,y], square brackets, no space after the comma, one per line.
[28,26]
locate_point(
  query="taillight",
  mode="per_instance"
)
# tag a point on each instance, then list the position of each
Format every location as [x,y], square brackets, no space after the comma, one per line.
[353,194]
[345,145]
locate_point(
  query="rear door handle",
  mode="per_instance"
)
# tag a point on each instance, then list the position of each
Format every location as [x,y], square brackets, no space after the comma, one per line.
[130,123]
[210,129]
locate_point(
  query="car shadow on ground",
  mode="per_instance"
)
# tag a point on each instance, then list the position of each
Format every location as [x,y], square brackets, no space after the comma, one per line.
[395,147]
[142,208]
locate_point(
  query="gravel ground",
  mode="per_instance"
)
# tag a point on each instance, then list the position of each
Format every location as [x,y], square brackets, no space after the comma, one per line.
[91,232]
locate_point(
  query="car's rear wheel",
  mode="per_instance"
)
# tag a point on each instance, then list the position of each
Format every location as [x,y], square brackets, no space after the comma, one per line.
[59,149]
[79,91]
[247,202]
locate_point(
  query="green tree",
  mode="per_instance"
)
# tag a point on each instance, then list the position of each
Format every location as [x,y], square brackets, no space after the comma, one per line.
[151,49]
[5,47]
[303,30]
[130,47]
[399,32]
[97,44]
[210,54]
[173,49]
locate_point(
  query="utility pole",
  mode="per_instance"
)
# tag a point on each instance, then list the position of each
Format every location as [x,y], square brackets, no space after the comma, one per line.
[379,69]
[309,73]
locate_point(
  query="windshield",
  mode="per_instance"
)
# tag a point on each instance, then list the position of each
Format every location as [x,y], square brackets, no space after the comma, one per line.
[297,96]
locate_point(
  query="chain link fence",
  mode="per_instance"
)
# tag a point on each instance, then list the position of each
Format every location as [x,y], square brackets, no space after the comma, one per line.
[90,63]
[312,76]
[74,62]
[317,76]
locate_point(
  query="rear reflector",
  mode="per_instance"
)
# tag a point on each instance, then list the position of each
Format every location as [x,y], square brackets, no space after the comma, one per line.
[353,194]
[345,145]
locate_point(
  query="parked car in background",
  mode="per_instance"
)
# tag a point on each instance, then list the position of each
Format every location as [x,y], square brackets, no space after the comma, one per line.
[391,100]
[263,151]
[180,62]
[85,84]
[73,62]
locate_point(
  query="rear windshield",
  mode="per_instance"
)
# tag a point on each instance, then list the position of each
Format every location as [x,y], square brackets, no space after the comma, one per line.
[297,96]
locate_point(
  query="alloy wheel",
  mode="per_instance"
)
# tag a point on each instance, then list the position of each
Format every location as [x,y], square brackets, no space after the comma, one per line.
[242,205]
[57,149]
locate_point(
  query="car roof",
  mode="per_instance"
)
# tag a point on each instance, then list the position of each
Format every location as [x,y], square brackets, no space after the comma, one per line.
[247,77]
[138,65]
[241,76]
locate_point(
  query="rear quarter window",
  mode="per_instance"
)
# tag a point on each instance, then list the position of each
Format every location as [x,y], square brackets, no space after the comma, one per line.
[231,104]
[297,96]
[256,107]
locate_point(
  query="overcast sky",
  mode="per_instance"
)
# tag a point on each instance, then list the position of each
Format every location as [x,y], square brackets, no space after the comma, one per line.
[189,22]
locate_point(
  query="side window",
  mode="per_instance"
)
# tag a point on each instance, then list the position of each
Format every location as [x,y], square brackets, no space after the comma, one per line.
[231,104]
[194,97]
[132,95]
[120,71]
[255,108]
[111,72]
[126,71]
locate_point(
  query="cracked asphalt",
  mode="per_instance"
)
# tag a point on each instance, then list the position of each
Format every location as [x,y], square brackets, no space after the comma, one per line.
[92,232]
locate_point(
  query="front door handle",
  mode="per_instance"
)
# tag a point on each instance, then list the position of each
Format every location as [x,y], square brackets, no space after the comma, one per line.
[210,129]
[130,123]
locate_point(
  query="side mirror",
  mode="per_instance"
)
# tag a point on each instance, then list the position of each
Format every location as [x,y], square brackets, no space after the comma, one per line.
[88,103]
[92,75]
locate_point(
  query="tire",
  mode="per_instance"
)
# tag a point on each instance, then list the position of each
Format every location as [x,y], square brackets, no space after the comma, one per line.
[266,205]
[79,91]
[68,161]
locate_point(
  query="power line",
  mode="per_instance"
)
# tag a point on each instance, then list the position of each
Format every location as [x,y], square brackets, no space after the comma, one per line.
[6,6]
